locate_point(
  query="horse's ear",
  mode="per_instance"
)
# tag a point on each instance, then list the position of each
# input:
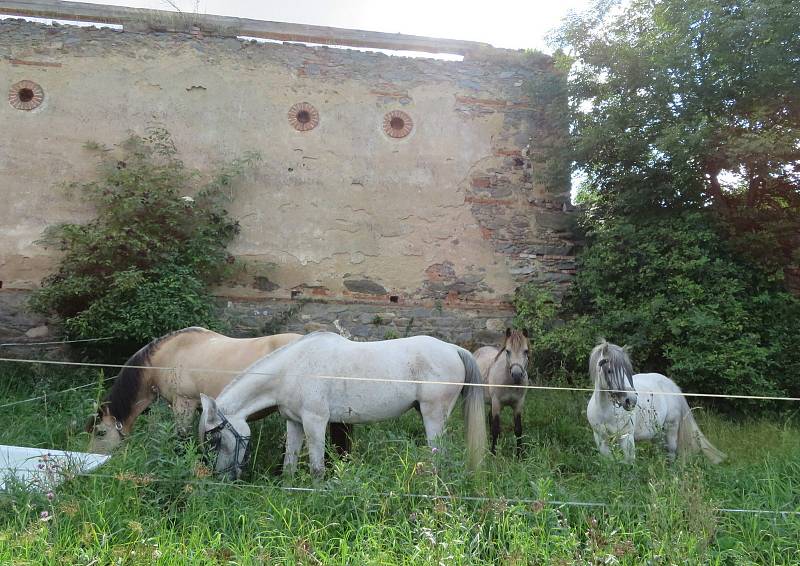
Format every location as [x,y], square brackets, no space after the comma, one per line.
[525,332]
[210,412]
[626,349]
[508,332]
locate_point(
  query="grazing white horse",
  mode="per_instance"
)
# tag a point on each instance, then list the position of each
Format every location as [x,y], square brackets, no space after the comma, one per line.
[297,379]
[618,414]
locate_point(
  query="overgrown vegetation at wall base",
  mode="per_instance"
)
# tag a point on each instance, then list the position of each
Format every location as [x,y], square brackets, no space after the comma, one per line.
[143,266]
[686,123]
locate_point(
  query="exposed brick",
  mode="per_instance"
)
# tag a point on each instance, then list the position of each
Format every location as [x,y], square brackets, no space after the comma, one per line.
[16,62]
[491,201]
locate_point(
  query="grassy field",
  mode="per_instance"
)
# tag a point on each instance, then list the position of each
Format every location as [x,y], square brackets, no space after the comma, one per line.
[154,504]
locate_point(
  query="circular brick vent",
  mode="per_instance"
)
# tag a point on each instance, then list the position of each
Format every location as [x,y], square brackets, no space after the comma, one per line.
[397,124]
[25,95]
[303,117]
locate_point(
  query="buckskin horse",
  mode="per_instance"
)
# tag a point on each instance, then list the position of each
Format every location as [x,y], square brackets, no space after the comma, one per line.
[204,362]
[499,371]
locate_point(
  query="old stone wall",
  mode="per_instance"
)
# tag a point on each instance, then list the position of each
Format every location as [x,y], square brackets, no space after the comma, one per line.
[388,184]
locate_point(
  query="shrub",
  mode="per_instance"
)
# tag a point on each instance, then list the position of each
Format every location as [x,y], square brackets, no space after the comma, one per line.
[689,308]
[143,266]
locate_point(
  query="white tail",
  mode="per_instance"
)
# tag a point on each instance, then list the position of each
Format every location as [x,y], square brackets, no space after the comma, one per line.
[474,417]
[691,439]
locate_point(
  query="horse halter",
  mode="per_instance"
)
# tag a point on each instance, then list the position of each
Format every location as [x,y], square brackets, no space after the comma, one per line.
[118,427]
[242,444]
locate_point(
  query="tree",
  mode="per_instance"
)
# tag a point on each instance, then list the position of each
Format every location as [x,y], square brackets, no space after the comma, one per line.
[692,103]
[685,118]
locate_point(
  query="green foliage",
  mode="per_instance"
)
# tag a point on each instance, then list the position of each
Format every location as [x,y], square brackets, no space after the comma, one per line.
[277,323]
[684,122]
[671,291]
[559,349]
[680,103]
[142,267]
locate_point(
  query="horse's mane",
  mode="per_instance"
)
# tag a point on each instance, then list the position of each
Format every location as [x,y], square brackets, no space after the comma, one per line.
[120,398]
[617,356]
[515,340]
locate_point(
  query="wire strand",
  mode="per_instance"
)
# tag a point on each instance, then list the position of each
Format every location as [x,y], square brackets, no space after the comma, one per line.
[56,342]
[409,495]
[412,381]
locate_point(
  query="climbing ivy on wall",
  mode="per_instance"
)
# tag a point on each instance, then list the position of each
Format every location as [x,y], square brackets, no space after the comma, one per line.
[143,265]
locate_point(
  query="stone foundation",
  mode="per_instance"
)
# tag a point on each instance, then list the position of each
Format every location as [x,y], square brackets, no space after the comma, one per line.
[469,327]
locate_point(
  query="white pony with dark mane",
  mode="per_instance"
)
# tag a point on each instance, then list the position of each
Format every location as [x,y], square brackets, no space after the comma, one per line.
[300,380]
[618,414]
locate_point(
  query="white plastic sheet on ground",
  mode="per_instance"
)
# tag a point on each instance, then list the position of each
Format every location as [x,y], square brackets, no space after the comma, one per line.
[42,469]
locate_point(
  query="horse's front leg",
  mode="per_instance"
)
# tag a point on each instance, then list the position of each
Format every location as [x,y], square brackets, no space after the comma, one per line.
[314,427]
[294,443]
[628,448]
[496,407]
[518,425]
[602,444]
[183,409]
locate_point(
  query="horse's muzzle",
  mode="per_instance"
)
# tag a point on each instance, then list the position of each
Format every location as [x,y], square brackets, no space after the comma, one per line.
[630,401]
[518,374]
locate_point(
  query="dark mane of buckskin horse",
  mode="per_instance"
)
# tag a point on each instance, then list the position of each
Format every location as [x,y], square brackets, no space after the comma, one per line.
[120,398]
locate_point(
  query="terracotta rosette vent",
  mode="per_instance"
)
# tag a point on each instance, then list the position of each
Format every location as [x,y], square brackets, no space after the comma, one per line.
[303,117]
[25,95]
[397,124]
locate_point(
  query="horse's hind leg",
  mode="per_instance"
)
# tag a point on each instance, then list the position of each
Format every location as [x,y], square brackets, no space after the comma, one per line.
[671,440]
[433,418]
[495,422]
[342,438]
[294,443]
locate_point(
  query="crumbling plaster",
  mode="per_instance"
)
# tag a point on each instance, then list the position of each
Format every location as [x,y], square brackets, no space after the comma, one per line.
[342,202]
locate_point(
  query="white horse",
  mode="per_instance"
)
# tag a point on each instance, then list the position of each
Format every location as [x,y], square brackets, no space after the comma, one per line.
[298,380]
[618,414]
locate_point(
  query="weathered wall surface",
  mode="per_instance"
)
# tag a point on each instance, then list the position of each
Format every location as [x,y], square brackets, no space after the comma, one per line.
[445,217]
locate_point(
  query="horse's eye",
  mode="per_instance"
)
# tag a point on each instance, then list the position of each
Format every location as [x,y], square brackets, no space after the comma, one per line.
[100,432]
[508,353]
[526,353]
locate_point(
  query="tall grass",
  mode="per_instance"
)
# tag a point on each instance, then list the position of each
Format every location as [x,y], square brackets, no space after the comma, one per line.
[154,502]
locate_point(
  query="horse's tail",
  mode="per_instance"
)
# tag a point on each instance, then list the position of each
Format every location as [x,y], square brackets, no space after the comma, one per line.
[691,439]
[474,417]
